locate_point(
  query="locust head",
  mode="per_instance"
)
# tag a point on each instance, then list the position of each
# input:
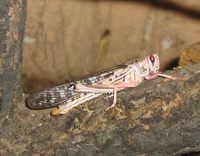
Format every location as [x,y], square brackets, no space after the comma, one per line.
[153,66]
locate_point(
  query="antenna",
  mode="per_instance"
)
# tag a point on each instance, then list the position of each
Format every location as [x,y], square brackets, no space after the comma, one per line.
[156,31]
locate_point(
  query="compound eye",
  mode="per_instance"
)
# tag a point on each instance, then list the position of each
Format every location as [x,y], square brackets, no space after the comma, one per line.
[152,59]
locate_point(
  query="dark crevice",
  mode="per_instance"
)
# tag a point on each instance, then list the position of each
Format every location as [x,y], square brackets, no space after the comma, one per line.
[167,5]
[191,154]
[172,64]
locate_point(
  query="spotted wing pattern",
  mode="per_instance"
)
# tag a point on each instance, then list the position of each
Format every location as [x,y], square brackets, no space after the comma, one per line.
[67,92]
[51,97]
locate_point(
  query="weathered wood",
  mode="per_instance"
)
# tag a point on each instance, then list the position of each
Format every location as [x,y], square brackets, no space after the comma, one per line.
[101,34]
[12,21]
[190,55]
[159,117]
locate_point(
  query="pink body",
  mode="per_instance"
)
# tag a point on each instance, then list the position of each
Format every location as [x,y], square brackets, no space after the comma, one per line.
[147,68]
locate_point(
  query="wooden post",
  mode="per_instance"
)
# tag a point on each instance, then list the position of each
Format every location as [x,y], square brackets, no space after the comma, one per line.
[12,21]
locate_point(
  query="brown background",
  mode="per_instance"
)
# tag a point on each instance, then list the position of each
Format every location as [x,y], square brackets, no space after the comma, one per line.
[70,39]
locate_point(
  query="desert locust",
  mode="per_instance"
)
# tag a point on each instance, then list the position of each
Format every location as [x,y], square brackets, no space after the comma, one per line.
[72,94]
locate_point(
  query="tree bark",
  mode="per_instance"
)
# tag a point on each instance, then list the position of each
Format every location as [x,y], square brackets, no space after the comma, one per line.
[159,117]
[12,21]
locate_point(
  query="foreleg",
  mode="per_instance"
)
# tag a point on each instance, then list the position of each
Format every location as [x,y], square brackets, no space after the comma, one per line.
[168,76]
